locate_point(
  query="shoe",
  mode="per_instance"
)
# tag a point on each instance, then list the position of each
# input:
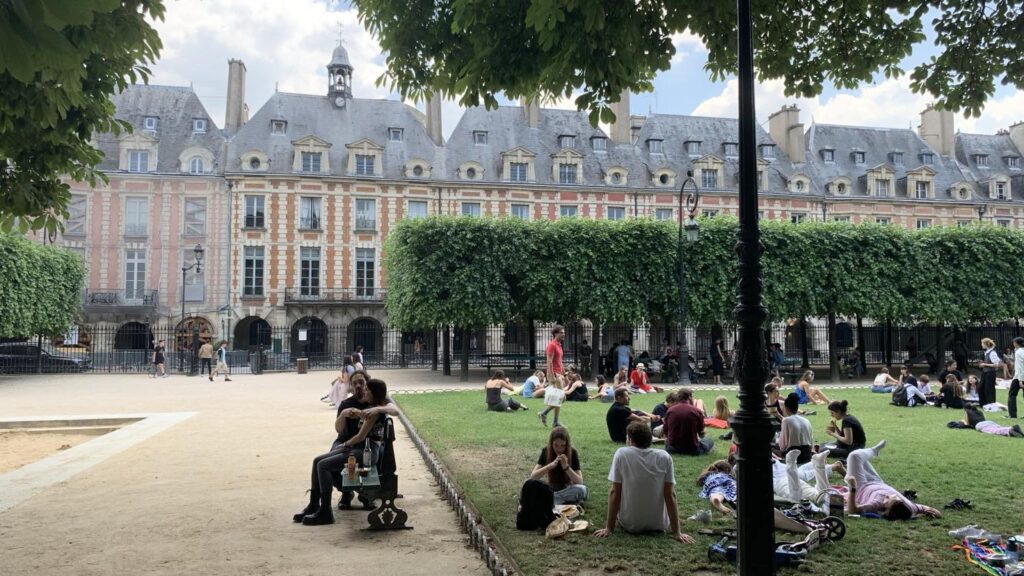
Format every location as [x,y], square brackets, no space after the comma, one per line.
[543,418]
[810,413]
[958,504]
[910,495]
[211,378]
[227,379]
[1016,431]
[367,503]
[311,508]
[323,514]
[726,437]
[346,501]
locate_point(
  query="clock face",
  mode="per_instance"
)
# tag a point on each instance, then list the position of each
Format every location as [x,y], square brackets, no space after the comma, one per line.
[339,101]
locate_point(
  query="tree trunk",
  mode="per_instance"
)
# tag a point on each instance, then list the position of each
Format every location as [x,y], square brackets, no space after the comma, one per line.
[833,356]
[532,345]
[446,347]
[464,368]
[595,348]
[888,344]
[804,356]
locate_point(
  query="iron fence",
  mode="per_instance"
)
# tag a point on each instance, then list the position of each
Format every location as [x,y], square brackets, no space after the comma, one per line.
[258,347]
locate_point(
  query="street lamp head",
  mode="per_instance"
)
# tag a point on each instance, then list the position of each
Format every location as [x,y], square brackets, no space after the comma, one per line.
[692,229]
[198,251]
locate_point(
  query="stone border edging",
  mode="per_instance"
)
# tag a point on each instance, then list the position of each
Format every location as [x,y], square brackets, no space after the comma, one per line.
[480,535]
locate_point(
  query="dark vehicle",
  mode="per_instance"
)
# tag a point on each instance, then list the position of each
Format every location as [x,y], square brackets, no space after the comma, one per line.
[24,357]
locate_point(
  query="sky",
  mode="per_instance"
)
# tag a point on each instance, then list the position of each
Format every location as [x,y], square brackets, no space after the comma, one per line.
[286,46]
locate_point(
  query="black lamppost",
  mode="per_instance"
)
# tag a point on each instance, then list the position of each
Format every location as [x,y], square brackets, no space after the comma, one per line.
[689,197]
[198,266]
[752,425]
[981,212]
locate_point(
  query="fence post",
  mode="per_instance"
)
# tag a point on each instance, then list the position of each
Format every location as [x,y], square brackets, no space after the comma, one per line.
[532,345]
[940,348]
[446,350]
[888,343]
[464,364]
[39,354]
[833,356]
[805,361]
[860,344]
[433,349]
[595,348]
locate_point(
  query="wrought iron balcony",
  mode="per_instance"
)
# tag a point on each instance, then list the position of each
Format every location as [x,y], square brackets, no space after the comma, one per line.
[310,295]
[117,300]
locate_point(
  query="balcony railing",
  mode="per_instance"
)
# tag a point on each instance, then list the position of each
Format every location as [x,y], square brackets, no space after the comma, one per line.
[333,295]
[113,300]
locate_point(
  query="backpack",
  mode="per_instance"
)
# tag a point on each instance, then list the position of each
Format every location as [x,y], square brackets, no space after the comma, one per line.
[536,506]
[899,395]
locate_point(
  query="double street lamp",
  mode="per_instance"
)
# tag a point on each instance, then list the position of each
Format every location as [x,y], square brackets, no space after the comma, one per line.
[689,197]
[197,265]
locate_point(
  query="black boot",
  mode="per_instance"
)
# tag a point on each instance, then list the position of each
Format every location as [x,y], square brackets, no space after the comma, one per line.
[323,515]
[311,508]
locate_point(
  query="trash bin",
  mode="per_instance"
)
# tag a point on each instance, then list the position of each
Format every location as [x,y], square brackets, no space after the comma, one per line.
[302,364]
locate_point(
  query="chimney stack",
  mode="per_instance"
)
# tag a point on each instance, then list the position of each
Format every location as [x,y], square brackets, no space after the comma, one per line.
[236,113]
[434,118]
[531,109]
[788,133]
[1017,135]
[936,129]
[620,129]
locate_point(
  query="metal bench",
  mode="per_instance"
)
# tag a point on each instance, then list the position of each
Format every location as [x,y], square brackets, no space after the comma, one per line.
[516,362]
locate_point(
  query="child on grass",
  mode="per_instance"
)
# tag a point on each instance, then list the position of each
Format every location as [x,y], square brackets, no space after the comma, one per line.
[717,485]
[554,395]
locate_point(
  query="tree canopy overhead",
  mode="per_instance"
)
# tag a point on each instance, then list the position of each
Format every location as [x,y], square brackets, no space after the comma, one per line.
[475,50]
[60,61]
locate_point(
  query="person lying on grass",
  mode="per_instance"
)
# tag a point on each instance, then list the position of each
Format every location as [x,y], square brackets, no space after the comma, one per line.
[642,498]
[790,481]
[869,493]
[718,486]
[975,418]
[559,464]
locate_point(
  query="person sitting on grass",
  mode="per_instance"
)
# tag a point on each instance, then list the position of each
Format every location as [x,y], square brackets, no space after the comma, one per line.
[796,432]
[720,415]
[951,369]
[575,388]
[534,385]
[808,393]
[975,418]
[640,381]
[772,402]
[951,395]
[326,466]
[559,463]
[884,383]
[605,391]
[846,429]
[658,414]
[869,493]
[971,389]
[718,486]
[621,377]
[620,416]
[642,497]
[684,427]
[493,388]
[554,395]
[914,395]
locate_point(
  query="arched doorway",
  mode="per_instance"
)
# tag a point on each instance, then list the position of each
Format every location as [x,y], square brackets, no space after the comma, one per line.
[366,332]
[252,331]
[315,345]
[133,336]
[191,329]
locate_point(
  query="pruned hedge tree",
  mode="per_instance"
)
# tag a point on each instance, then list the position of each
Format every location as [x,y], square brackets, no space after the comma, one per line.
[40,287]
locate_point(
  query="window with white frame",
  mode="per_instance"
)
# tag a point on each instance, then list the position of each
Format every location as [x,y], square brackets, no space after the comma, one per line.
[417,209]
[136,216]
[881,187]
[195,282]
[278,126]
[797,217]
[76,222]
[963,193]
[134,275]
[395,134]
[599,144]
[471,209]
[981,160]
[195,165]
[768,151]
[517,171]
[254,212]
[479,137]
[693,148]
[365,272]
[364,164]
[138,160]
[150,123]
[616,212]
[1003,223]
[841,188]
[311,161]
[309,271]
[521,211]
[923,223]
[252,278]
[366,214]
[566,173]
[858,158]
[195,217]
[828,155]
[840,218]
[927,159]
[199,125]
[566,211]
[1013,162]
[663,214]
[799,185]
[884,221]
[1000,190]
[922,190]
[708,179]
[896,158]
[655,146]
[567,141]
[709,213]
[731,149]
[309,213]
[963,223]
[615,177]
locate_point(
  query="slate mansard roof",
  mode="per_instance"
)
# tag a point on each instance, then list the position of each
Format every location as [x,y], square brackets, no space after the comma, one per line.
[877,144]
[174,107]
[997,147]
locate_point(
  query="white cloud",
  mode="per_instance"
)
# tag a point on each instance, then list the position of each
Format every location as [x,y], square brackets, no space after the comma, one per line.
[687,44]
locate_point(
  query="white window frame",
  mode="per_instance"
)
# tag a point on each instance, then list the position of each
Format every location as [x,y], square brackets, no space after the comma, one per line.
[568,173]
[1000,190]
[656,146]
[1013,162]
[731,149]
[923,223]
[709,179]
[311,215]
[479,137]
[365,164]
[615,213]
[150,123]
[396,135]
[410,213]
[278,126]
[366,272]
[366,214]
[254,270]
[310,265]
[255,209]
[568,211]
[897,158]
[883,220]
[599,144]
[693,147]
[77,222]
[134,275]
[797,217]
[767,151]
[136,208]
[195,216]
[1003,222]
[311,161]
[828,155]
[981,160]
[199,125]
[518,171]
[566,141]
[472,209]
[664,214]
[928,159]
[195,165]
[520,211]
[859,158]
[922,190]
[882,185]
[138,161]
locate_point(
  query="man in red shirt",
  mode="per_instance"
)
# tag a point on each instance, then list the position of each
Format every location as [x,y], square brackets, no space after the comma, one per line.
[684,427]
[553,352]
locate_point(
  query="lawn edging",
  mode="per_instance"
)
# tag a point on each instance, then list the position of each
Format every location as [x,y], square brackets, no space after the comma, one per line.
[481,536]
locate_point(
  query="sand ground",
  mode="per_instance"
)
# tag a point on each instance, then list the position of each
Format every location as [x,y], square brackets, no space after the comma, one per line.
[214,494]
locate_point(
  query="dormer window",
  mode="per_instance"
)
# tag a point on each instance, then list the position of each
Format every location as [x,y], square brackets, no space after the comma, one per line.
[655,146]
[828,155]
[480,137]
[1012,162]
[278,126]
[1000,190]
[255,163]
[896,158]
[731,149]
[799,185]
[599,144]
[567,142]
[841,188]
[199,125]
[922,190]
[364,164]
[980,160]
[149,123]
[927,158]
[395,134]
[858,157]
[693,147]
[768,151]
[311,161]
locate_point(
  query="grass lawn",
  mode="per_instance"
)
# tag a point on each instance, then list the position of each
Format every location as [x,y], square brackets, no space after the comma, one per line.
[491,454]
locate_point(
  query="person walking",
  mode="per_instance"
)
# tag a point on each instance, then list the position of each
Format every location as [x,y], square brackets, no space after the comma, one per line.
[1018,375]
[159,369]
[206,358]
[222,362]
[989,364]
[553,354]
[717,360]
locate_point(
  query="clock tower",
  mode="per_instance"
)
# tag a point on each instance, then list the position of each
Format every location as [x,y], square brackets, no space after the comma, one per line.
[339,73]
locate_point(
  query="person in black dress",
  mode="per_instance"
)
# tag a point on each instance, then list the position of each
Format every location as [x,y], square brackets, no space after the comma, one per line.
[846,429]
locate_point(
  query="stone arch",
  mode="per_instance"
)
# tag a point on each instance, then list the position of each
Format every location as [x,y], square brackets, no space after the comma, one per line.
[189,330]
[252,331]
[367,332]
[133,336]
[315,345]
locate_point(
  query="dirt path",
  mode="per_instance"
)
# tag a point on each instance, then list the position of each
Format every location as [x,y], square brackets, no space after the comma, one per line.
[215,493]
